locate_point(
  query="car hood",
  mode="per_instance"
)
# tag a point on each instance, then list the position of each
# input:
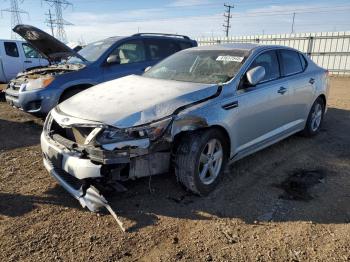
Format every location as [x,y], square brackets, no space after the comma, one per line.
[47,45]
[134,100]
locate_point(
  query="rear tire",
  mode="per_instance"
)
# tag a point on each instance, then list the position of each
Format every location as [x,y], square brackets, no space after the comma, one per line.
[315,118]
[200,160]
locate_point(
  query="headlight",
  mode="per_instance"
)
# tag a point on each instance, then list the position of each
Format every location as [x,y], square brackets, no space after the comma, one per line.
[151,131]
[38,83]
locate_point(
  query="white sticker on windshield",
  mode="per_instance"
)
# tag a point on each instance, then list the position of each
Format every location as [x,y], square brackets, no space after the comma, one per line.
[229,58]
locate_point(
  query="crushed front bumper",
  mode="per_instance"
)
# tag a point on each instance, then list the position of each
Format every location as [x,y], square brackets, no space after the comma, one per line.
[70,176]
[71,173]
[90,199]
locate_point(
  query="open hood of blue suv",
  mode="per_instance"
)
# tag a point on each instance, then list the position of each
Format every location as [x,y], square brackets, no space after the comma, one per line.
[51,48]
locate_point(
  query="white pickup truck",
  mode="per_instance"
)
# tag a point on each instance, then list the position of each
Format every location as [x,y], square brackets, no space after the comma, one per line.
[17,56]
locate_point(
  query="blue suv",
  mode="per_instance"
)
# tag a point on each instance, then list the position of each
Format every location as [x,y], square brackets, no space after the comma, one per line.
[39,89]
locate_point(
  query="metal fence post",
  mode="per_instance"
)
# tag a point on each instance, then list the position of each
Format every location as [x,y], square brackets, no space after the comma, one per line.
[310,45]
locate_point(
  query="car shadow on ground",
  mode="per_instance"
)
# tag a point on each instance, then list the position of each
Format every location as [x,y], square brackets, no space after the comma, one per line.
[256,189]
[13,205]
[19,134]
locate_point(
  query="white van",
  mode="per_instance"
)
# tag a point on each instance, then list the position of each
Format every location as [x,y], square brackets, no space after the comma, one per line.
[17,56]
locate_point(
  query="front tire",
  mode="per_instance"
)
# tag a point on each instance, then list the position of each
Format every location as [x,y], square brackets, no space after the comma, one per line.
[315,118]
[200,160]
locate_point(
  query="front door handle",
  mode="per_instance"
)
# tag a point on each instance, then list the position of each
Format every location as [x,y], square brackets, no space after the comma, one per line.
[312,81]
[230,105]
[28,61]
[282,90]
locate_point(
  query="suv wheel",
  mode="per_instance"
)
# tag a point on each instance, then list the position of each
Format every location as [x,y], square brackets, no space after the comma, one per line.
[314,119]
[200,160]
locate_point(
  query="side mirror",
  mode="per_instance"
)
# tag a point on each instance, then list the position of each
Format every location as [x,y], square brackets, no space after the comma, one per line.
[113,59]
[255,75]
[147,68]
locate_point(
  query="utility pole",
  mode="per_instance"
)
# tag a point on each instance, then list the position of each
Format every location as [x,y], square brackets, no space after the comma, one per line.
[50,22]
[59,22]
[228,16]
[15,15]
[293,23]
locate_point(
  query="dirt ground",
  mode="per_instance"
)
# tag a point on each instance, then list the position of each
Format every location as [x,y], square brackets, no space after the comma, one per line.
[289,202]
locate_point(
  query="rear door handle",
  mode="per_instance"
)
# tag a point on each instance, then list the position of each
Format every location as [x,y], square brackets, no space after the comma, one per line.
[230,105]
[27,61]
[312,81]
[282,90]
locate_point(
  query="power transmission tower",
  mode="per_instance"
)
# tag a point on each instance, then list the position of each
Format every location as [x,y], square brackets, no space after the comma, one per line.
[50,22]
[228,17]
[15,15]
[59,22]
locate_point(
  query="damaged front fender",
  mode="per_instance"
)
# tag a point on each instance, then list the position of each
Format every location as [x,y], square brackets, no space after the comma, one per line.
[187,123]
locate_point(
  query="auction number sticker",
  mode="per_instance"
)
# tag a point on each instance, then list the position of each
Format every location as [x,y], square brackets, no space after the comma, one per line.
[228,58]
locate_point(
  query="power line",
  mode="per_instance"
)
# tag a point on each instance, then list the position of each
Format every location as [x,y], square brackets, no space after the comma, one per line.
[228,16]
[15,15]
[59,22]
[217,17]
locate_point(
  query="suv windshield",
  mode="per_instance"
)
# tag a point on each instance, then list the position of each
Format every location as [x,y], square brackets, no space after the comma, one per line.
[200,66]
[92,51]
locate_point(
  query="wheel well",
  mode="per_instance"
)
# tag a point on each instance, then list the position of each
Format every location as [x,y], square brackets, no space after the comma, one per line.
[323,97]
[226,135]
[69,89]
[178,137]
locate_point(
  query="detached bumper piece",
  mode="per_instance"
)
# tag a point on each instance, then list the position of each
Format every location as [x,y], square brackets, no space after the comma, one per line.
[88,197]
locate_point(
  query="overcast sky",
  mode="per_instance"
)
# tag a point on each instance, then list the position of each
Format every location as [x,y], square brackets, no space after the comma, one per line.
[97,19]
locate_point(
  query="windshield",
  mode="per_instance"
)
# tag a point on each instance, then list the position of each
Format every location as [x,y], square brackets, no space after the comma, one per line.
[200,66]
[92,51]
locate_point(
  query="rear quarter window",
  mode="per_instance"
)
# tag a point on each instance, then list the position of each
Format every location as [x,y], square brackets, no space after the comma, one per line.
[290,62]
[185,45]
[303,61]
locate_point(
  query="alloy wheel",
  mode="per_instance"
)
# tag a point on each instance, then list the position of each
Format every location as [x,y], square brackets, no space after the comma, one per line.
[210,161]
[316,117]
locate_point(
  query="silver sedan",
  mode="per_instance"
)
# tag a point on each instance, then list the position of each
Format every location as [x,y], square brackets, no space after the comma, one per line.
[194,111]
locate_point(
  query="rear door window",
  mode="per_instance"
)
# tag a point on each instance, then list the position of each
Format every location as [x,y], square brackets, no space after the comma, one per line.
[159,48]
[290,62]
[11,49]
[131,52]
[269,62]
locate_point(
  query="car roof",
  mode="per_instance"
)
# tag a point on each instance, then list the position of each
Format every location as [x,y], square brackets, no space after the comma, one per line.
[249,47]
[149,35]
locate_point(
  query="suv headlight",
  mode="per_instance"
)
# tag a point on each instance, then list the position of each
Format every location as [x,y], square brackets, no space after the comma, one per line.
[152,131]
[38,83]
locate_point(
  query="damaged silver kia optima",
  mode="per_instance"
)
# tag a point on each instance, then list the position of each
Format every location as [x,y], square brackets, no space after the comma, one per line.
[194,111]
